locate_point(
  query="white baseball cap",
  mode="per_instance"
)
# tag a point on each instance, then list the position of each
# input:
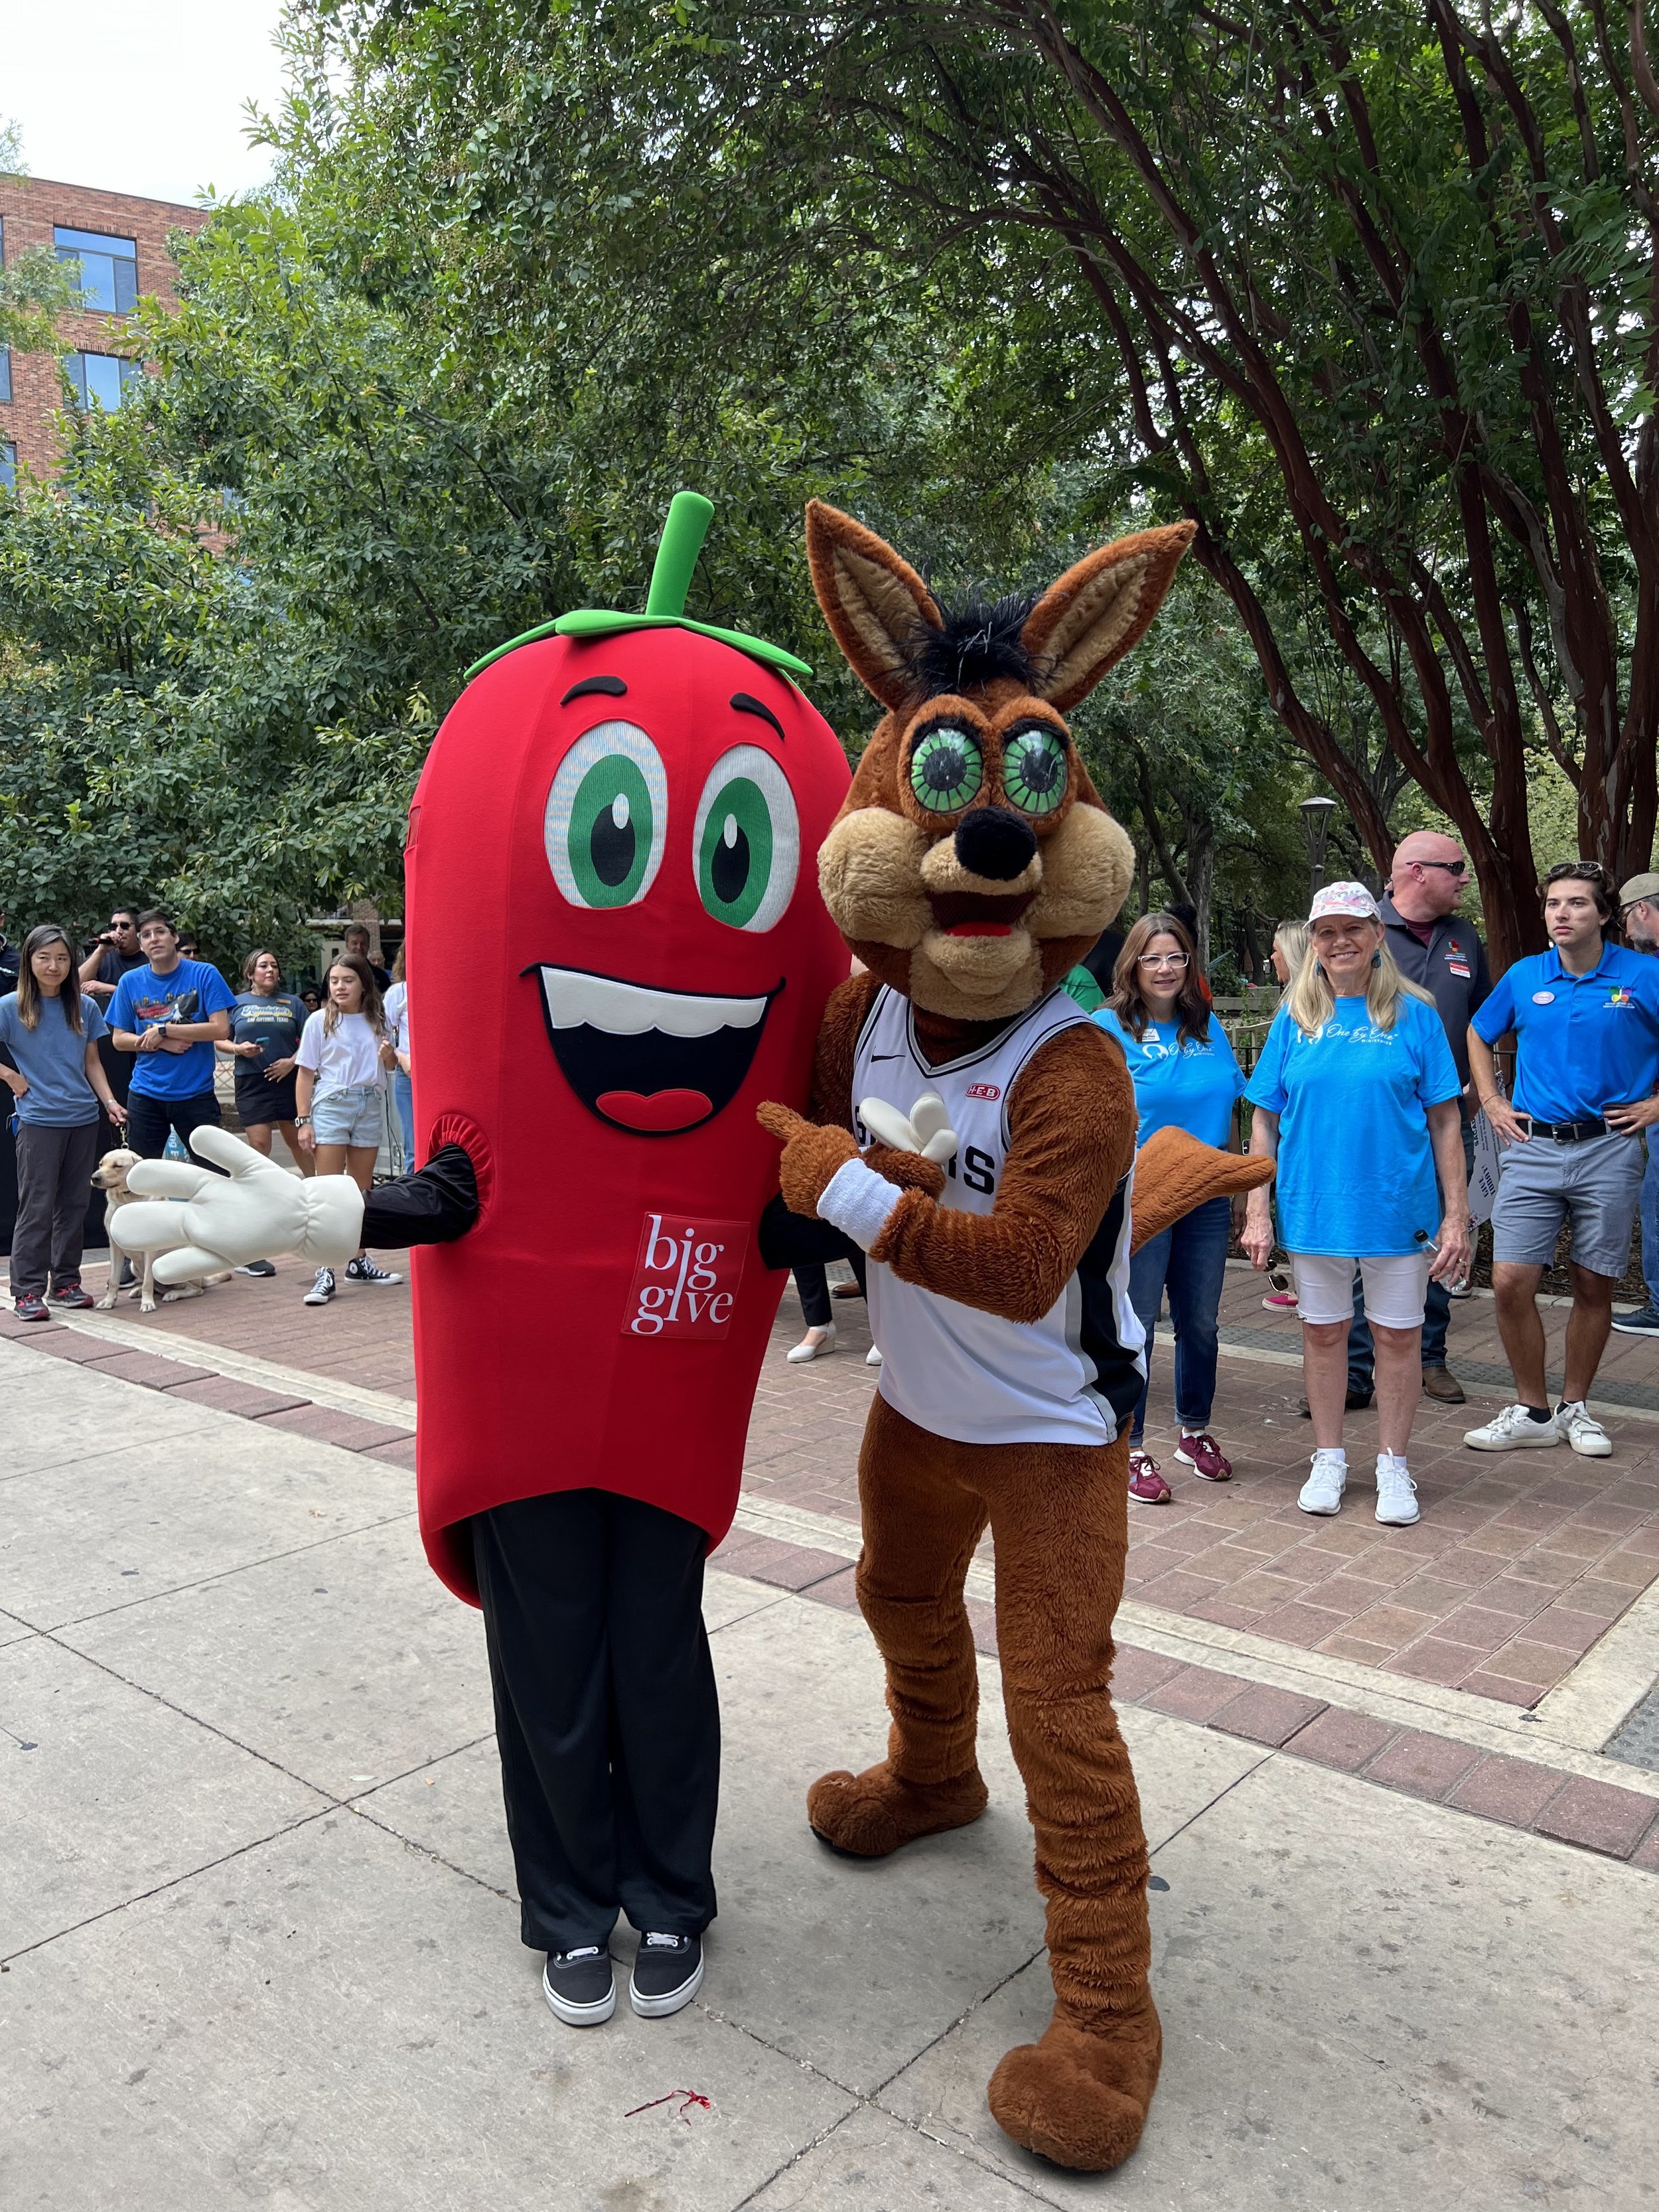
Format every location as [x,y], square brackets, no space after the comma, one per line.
[1351,899]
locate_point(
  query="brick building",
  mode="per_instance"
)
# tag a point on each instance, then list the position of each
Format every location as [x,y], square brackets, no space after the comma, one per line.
[121,245]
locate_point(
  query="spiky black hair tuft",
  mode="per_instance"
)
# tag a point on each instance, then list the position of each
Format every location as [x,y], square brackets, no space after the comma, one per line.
[980,641]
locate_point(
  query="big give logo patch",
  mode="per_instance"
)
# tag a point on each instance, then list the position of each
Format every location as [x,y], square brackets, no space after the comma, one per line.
[687,1278]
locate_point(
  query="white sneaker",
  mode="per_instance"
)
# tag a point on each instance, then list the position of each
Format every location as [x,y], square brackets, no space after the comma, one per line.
[1322,1492]
[1584,1431]
[873,1358]
[813,1344]
[1514,1430]
[1396,1493]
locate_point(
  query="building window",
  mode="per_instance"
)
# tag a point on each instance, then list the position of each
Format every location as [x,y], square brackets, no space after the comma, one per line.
[5,375]
[101,379]
[7,467]
[109,268]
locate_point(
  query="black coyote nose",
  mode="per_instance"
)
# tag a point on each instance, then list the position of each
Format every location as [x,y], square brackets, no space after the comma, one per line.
[994,844]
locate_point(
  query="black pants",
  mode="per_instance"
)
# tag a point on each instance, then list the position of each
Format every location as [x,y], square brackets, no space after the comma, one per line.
[54,1183]
[149,1120]
[606,1715]
[813,1283]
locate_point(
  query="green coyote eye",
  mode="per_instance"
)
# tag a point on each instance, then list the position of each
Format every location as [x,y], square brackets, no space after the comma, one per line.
[1034,770]
[947,769]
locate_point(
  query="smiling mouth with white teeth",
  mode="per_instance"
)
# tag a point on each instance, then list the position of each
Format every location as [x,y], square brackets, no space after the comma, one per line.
[656,1063]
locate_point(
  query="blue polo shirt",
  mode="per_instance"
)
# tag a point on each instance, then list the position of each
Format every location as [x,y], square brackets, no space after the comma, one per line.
[1582,1043]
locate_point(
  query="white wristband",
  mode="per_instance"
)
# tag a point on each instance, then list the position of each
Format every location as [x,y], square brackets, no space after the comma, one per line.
[858,1202]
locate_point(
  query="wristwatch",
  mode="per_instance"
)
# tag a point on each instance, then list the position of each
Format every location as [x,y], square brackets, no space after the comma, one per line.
[303,1120]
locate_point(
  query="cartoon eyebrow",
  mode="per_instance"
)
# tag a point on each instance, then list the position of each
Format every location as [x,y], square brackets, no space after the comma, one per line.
[745,705]
[612,686]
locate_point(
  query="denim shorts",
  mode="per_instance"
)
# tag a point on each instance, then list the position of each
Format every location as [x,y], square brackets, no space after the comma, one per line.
[352,1114]
[1596,1185]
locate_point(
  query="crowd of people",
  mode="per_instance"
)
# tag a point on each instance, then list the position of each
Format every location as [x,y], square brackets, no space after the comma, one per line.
[122,1035]
[1384,1047]
[1364,1094]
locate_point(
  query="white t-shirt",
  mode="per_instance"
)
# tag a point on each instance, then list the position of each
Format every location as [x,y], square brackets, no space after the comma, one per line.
[349,1054]
[396,1007]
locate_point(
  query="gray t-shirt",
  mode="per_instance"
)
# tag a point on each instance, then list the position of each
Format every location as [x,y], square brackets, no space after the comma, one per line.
[53,1060]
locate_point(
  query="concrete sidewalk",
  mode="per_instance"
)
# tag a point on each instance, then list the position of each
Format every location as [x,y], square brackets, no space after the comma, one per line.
[260,1946]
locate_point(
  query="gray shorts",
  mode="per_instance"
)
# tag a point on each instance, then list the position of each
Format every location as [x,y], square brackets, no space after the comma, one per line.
[1596,1185]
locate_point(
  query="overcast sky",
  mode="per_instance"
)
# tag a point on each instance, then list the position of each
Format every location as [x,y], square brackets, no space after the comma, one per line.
[141,96]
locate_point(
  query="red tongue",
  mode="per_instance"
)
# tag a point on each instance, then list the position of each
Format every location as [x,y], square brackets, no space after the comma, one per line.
[978,929]
[662,1111]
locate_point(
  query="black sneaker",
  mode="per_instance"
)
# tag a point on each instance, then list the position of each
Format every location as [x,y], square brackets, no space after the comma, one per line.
[667,1975]
[322,1290]
[257,1267]
[30,1307]
[1355,1402]
[1644,1322]
[69,1293]
[362,1269]
[580,1986]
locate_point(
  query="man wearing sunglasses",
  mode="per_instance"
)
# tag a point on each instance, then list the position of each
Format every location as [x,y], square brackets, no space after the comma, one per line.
[1434,946]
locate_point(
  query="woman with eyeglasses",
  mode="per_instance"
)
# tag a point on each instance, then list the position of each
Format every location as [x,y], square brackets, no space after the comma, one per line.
[1186,1076]
[1356,1097]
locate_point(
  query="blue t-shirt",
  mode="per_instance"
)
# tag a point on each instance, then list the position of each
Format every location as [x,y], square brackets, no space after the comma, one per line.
[52,1060]
[1356,1168]
[1180,1085]
[189,993]
[1582,1043]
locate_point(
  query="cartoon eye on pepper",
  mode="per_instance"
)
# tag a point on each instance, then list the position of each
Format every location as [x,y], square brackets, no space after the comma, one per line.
[613,954]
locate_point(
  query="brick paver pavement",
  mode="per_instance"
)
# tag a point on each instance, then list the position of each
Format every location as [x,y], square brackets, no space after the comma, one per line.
[1519,1565]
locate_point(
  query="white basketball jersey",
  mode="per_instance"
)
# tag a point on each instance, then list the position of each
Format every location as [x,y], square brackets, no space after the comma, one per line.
[1072,1378]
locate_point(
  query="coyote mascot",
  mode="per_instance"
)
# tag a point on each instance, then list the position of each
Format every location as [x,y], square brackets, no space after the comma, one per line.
[974,1131]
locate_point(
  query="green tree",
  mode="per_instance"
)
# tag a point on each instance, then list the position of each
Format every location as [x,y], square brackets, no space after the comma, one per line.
[1365,287]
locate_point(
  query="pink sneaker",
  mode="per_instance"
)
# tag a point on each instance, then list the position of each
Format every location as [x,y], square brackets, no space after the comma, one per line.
[1146,1486]
[1280,1302]
[1204,1456]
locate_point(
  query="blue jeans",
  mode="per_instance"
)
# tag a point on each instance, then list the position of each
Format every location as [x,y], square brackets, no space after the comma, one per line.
[403,1097]
[1436,1310]
[1190,1261]
[1650,1222]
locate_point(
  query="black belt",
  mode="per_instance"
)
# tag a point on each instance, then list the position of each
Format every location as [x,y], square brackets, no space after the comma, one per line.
[1565,1133]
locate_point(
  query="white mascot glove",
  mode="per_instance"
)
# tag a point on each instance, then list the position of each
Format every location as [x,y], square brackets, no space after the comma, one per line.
[260,1212]
[928,1130]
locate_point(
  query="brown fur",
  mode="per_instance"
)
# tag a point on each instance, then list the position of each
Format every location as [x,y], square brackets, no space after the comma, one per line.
[893,879]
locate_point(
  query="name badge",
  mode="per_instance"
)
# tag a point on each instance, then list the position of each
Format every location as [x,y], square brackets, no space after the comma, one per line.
[1457,968]
[1543,998]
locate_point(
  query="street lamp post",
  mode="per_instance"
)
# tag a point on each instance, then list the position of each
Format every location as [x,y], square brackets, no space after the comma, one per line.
[1316,813]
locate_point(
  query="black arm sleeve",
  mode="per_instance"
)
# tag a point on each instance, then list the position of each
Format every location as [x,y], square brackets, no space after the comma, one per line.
[434,1206]
[793,1240]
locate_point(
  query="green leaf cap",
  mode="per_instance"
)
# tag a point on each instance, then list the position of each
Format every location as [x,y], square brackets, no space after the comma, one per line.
[689,517]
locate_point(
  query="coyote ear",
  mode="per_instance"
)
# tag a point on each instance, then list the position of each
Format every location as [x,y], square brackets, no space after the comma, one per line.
[873,601]
[1099,609]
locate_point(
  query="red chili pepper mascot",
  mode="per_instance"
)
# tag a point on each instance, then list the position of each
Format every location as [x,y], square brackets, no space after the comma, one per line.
[616,949]
[974,1131]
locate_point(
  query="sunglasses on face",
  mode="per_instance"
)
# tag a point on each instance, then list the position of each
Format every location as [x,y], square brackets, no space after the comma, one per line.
[1451,867]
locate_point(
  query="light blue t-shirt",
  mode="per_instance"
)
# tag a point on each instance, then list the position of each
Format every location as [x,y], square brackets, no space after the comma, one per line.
[189,993]
[53,1060]
[1179,1083]
[1356,1168]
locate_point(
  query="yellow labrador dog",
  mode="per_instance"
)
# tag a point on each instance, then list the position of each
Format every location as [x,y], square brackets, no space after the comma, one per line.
[110,1178]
